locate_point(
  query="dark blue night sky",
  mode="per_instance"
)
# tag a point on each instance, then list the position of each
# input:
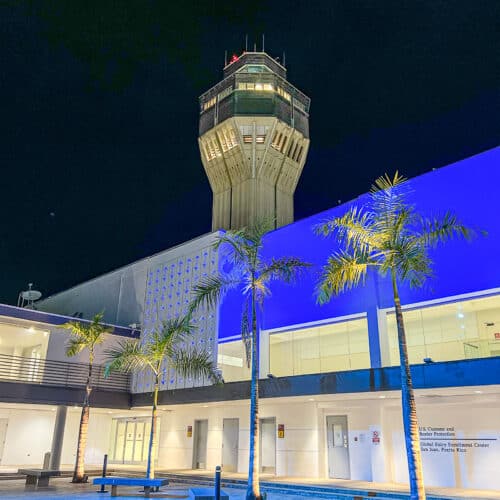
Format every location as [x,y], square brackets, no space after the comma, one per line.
[99,152]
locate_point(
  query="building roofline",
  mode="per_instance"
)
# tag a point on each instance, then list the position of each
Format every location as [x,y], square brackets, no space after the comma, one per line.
[118,269]
[366,193]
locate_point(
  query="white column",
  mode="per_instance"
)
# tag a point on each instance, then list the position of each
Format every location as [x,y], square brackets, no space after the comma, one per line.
[57,438]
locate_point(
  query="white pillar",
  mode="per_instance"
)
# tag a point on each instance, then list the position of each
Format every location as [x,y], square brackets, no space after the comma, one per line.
[57,438]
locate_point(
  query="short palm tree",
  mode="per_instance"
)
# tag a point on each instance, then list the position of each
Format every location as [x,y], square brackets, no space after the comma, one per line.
[390,236]
[164,344]
[251,273]
[85,336]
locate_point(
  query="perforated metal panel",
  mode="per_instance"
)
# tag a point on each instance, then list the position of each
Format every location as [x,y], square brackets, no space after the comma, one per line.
[168,292]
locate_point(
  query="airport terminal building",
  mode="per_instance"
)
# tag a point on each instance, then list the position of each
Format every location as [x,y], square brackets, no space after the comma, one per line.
[330,384]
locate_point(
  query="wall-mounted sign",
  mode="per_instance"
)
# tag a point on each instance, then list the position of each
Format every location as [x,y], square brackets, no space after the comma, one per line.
[375,437]
[281,431]
[189,431]
[497,335]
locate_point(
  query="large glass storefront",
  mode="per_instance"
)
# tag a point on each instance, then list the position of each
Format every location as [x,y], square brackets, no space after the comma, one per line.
[130,440]
[459,330]
[325,348]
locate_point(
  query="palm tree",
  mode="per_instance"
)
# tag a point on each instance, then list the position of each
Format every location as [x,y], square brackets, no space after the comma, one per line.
[251,273]
[84,336]
[162,344]
[390,236]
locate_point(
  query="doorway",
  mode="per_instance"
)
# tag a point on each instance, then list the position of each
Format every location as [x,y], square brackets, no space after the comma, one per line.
[230,436]
[268,445]
[338,447]
[200,444]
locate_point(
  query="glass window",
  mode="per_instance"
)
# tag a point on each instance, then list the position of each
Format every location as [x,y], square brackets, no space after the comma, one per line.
[458,330]
[225,92]
[231,359]
[283,93]
[255,68]
[256,86]
[209,103]
[322,349]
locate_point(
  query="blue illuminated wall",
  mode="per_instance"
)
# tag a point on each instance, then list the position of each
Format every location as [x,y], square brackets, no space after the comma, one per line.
[470,188]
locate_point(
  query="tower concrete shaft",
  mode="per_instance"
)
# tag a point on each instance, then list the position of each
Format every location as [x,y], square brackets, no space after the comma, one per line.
[254,139]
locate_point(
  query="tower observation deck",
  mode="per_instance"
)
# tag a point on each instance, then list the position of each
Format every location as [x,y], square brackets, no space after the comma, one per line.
[254,139]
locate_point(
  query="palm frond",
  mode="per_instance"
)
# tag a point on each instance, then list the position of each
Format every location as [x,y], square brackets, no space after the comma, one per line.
[441,229]
[259,227]
[411,262]
[194,363]
[209,290]
[127,356]
[163,340]
[76,328]
[388,198]
[386,183]
[232,247]
[86,335]
[285,269]
[74,346]
[343,271]
[353,228]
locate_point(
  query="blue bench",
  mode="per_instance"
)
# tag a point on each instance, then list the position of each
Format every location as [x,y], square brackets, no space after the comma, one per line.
[206,494]
[147,484]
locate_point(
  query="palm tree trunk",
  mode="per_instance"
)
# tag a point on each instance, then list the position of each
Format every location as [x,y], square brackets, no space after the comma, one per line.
[253,489]
[79,472]
[410,423]
[150,470]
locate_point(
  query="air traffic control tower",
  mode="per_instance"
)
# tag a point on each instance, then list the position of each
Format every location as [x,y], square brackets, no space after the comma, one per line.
[254,138]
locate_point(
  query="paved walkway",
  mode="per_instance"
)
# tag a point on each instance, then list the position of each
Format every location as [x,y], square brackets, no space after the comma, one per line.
[62,487]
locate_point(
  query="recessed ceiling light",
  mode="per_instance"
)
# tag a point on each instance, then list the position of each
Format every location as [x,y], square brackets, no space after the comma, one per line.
[381,397]
[478,392]
[311,399]
[205,406]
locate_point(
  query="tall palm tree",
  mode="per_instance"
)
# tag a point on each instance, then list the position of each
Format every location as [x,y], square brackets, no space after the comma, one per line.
[251,273]
[389,235]
[163,344]
[84,336]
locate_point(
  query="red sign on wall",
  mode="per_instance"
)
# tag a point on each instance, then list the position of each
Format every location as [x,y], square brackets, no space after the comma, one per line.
[497,335]
[375,437]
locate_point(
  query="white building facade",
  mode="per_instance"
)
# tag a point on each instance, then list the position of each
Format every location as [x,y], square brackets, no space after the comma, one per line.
[330,402]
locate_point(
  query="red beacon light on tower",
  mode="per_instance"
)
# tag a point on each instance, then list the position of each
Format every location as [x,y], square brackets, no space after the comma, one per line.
[234,58]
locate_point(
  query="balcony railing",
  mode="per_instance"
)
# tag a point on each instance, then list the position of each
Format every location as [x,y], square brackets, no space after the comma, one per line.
[59,373]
